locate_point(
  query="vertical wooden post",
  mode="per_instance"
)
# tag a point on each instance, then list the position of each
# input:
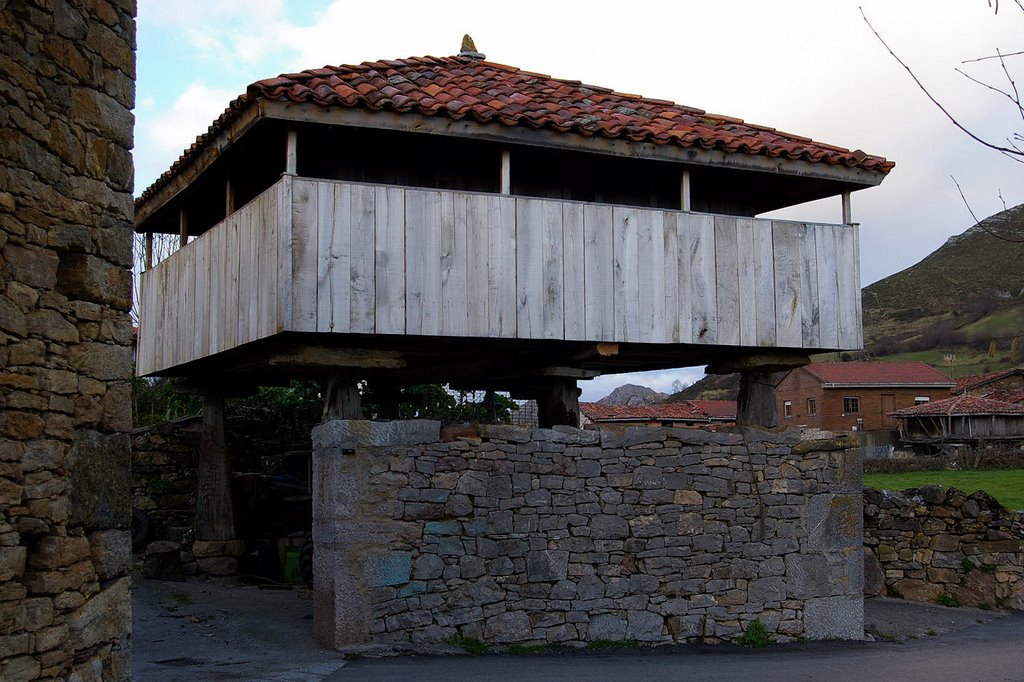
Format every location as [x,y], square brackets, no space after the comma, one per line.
[558,403]
[229,197]
[215,517]
[684,190]
[149,250]
[847,209]
[506,171]
[182,227]
[756,402]
[341,397]
[291,161]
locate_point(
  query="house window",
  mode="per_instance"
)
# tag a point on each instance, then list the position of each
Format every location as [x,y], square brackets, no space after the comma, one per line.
[787,408]
[851,405]
[812,406]
[921,400]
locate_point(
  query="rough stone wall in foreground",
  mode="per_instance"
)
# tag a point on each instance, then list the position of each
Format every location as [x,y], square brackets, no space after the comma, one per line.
[934,544]
[656,535]
[67,72]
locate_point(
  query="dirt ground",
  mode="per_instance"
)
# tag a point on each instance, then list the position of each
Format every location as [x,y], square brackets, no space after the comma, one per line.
[202,631]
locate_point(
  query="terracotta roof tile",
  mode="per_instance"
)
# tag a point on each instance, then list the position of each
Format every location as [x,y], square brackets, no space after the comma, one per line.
[883,373]
[687,410]
[516,98]
[961,405]
[970,383]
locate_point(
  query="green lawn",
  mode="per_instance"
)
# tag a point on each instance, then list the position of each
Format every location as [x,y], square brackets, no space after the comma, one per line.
[1006,485]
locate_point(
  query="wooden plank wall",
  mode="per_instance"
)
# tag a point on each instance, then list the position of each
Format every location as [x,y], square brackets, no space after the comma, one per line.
[336,257]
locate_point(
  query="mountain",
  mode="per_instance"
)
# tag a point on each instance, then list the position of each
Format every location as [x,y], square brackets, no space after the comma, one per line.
[631,394]
[961,307]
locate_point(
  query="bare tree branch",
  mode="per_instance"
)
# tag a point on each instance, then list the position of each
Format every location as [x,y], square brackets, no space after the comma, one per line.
[978,222]
[1011,152]
[993,56]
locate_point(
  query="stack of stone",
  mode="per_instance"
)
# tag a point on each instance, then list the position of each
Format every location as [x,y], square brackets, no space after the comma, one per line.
[938,545]
[67,79]
[540,536]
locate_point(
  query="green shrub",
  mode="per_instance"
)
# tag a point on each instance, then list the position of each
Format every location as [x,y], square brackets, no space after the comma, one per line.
[755,635]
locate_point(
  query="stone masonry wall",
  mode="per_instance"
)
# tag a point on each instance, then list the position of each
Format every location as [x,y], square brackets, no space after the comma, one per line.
[569,536]
[938,545]
[67,72]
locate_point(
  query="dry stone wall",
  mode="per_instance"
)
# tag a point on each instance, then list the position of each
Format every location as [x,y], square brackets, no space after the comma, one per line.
[569,536]
[66,91]
[938,545]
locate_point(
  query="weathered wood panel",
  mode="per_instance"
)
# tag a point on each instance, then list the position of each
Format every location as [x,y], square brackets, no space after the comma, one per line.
[337,257]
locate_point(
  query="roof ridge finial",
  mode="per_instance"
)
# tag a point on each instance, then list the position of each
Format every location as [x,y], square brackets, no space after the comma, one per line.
[469,48]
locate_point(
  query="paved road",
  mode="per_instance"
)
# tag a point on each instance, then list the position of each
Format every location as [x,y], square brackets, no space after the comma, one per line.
[992,652]
[185,632]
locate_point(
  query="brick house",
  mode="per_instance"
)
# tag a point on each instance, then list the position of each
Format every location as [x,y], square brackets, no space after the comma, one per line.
[856,396]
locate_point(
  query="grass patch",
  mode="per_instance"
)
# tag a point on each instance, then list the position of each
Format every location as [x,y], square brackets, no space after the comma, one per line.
[179,598]
[999,323]
[947,600]
[1006,485]
[601,644]
[754,635]
[470,645]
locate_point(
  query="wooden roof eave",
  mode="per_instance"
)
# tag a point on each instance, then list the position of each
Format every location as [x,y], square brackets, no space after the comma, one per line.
[846,178]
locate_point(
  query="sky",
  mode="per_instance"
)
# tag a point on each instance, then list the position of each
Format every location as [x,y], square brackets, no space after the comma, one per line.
[807,67]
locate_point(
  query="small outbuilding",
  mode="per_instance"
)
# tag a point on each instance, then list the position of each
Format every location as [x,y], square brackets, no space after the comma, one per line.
[963,419]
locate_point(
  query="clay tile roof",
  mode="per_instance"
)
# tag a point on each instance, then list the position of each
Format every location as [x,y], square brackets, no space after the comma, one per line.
[687,410]
[961,405]
[506,95]
[969,383]
[877,373]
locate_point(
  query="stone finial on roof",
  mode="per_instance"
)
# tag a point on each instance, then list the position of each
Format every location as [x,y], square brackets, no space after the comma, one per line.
[469,48]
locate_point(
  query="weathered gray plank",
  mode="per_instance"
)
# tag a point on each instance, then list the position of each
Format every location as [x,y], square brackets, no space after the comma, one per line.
[809,304]
[650,246]
[703,290]
[475,209]
[423,264]
[786,239]
[727,280]
[252,292]
[231,256]
[200,333]
[284,253]
[362,221]
[573,272]
[454,317]
[553,277]
[501,271]
[764,283]
[598,260]
[304,255]
[670,299]
[333,231]
[389,265]
[828,285]
[745,256]
[625,274]
[684,237]
[849,314]
[529,268]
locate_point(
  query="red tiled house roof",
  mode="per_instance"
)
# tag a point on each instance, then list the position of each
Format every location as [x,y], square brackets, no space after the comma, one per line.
[689,410]
[462,87]
[961,405]
[877,374]
[975,381]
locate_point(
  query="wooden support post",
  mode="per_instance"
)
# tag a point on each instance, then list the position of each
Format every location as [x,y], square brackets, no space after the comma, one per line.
[229,197]
[182,227]
[341,397]
[506,171]
[558,403]
[756,403]
[291,163]
[847,209]
[684,190]
[149,250]
[215,518]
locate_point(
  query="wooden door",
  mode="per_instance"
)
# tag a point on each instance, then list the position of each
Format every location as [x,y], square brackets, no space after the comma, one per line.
[888,405]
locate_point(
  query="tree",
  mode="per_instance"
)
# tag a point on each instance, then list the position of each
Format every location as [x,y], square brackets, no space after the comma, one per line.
[992,349]
[1015,350]
[1013,146]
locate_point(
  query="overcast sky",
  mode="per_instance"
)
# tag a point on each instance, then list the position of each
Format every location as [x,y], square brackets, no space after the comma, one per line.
[807,67]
